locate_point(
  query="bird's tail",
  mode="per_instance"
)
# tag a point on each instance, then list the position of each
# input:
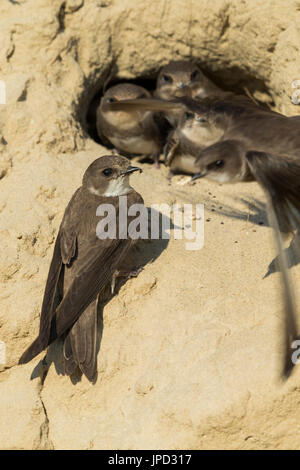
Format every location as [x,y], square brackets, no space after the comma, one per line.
[80,346]
[34,349]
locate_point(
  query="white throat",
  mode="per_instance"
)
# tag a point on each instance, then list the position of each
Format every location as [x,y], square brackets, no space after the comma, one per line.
[116,187]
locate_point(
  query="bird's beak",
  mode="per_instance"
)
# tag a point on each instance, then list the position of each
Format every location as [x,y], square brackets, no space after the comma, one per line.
[198,175]
[131,169]
[181,86]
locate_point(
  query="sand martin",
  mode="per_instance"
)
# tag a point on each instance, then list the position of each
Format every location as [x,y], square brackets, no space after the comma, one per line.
[83,264]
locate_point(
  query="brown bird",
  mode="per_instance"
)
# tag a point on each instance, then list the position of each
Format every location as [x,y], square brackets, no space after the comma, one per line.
[255,144]
[192,134]
[84,264]
[230,161]
[131,132]
[232,117]
[182,78]
[261,145]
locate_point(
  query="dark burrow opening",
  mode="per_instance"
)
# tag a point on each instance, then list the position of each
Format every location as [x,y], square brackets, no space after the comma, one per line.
[229,79]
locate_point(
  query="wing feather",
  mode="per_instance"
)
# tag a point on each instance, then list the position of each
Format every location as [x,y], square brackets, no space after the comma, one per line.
[96,270]
[281,181]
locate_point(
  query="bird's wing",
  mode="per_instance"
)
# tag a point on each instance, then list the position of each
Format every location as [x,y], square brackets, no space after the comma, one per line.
[150,104]
[98,262]
[64,251]
[48,306]
[280,179]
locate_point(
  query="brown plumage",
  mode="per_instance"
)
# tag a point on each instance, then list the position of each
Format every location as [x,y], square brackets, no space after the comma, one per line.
[192,134]
[82,265]
[130,132]
[182,78]
[279,175]
[255,144]
[232,117]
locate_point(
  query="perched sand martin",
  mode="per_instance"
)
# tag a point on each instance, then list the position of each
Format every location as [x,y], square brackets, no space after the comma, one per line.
[83,265]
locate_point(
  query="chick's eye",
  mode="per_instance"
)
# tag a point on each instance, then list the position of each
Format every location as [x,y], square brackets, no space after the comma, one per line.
[167,78]
[107,172]
[219,163]
[111,100]
[189,115]
[194,74]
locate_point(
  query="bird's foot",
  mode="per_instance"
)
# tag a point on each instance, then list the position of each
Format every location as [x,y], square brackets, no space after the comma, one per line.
[156,160]
[127,274]
[170,176]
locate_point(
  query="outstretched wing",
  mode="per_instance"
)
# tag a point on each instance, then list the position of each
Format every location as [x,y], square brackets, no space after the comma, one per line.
[280,178]
[151,104]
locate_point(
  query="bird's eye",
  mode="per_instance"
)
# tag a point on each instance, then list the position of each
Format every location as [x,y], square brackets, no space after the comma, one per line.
[201,119]
[194,74]
[167,78]
[219,164]
[189,115]
[111,99]
[107,171]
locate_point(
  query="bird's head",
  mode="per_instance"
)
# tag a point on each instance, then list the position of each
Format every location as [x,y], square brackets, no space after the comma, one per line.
[109,176]
[178,79]
[121,92]
[222,162]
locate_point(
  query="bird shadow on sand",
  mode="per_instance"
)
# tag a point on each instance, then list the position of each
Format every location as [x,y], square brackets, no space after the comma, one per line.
[145,251]
[255,213]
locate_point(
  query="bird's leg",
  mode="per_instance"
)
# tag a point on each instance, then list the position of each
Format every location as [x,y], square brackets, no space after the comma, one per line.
[170,147]
[133,273]
[127,274]
[170,175]
[155,158]
[113,281]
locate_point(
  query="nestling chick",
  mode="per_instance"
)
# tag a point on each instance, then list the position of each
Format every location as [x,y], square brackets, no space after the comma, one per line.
[130,132]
